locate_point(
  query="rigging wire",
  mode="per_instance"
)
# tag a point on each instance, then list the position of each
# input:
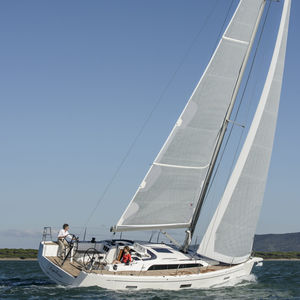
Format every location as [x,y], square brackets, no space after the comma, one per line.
[223,25]
[238,108]
[218,41]
[107,187]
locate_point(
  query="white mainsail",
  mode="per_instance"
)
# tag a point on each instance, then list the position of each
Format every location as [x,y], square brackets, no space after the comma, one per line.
[169,193]
[229,236]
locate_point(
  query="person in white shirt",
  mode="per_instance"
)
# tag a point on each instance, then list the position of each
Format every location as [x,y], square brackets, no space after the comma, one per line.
[63,245]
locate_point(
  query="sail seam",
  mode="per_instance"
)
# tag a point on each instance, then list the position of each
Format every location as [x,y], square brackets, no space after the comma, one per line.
[179,167]
[125,227]
[255,139]
[235,40]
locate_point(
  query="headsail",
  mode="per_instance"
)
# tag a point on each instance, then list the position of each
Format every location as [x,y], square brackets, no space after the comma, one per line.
[229,237]
[168,195]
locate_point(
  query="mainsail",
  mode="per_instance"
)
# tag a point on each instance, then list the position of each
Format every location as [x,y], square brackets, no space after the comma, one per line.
[168,195]
[229,236]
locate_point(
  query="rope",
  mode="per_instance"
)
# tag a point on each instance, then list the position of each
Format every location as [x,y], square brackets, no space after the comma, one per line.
[107,187]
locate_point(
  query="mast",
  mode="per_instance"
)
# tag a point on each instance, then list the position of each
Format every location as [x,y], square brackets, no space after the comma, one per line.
[190,231]
[229,236]
[169,193]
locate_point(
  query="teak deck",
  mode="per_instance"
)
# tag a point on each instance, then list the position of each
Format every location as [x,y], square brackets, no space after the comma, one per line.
[74,268]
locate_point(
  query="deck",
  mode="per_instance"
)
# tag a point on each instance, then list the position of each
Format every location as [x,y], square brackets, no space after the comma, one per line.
[74,269]
[171,272]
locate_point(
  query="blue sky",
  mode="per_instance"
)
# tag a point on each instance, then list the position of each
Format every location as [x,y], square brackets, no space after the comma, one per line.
[79,79]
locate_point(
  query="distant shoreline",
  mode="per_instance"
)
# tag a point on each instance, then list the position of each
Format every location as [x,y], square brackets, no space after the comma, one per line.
[35,259]
[18,254]
[7,254]
[17,259]
[281,259]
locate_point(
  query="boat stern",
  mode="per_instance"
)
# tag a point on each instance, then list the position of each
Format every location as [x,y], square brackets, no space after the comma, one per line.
[48,251]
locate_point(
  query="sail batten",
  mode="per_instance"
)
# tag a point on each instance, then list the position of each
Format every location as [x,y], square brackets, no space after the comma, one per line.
[235,40]
[230,234]
[180,167]
[169,194]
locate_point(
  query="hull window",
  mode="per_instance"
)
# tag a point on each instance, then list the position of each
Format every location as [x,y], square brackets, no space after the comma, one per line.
[185,286]
[173,266]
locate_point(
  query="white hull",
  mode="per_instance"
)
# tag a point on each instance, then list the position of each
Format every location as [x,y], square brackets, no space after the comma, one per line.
[123,282]
[165,283]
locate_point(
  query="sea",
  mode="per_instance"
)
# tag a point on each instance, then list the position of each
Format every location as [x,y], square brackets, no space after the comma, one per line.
[273,280]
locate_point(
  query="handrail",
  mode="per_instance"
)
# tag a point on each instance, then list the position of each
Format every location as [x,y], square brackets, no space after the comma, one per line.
[47,232]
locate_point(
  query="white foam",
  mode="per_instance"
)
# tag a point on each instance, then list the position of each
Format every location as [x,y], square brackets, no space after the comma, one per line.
[240,281]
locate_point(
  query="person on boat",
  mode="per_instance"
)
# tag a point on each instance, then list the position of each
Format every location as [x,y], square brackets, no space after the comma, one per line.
[63,244]
[126,257]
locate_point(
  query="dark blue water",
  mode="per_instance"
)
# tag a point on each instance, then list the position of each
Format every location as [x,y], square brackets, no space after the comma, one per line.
[275,280]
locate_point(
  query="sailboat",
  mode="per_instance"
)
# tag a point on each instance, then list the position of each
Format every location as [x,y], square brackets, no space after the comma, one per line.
[172,193]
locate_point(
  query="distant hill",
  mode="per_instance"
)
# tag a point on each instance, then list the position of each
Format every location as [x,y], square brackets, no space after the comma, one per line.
[286,242]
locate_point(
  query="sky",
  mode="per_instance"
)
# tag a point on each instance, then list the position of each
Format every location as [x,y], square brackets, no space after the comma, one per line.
[79,80]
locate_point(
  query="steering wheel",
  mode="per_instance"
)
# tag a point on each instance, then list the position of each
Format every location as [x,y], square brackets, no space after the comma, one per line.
[73,244]
[91,259]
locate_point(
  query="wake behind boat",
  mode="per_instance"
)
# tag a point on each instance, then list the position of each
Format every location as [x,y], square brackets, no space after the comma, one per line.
[172,193]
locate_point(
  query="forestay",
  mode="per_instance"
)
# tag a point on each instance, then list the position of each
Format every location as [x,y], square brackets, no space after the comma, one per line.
[168,194]
[229,237]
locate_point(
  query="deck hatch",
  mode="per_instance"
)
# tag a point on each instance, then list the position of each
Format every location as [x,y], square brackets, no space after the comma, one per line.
[162,250]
